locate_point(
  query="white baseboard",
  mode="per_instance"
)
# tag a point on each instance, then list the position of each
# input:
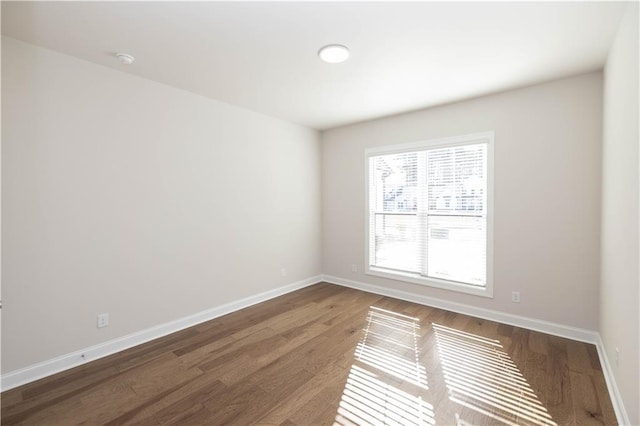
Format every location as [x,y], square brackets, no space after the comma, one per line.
[488,314]
[46,368]
[612,387]
[547,327]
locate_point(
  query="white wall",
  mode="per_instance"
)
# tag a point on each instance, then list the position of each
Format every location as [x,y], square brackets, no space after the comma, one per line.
[619,292]
[547,195]
[125,196]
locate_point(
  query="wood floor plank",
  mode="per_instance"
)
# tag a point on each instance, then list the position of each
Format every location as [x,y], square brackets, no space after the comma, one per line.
[538,342]
[608,415]
[578,357]
[587,409]
[558,390]
[594,358]
[331,376]
[226,346]
[327,354]
[320,409]
[535,371]
[232,407]
[170,405]
[13,403]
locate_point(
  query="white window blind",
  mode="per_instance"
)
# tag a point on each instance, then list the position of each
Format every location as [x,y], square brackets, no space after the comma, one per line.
[428,212]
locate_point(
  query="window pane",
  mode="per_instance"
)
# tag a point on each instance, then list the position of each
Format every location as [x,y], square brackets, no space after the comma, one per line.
[456,179]
[396,182]
[456,248]
[396,243]
[428,212]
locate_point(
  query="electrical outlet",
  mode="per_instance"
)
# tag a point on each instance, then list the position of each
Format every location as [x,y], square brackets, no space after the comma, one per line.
[354,268]
[617,357]
[103,320]
[515,296]
[283,272]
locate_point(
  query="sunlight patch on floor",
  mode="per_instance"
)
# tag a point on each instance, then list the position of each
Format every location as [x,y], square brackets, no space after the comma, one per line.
[391,342]
[368,399]
[387,356]
[481,376]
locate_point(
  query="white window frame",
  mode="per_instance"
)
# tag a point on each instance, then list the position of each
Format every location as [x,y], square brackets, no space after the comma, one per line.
[484,137]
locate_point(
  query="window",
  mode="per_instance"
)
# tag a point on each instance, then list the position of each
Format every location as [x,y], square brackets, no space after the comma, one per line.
[429,213]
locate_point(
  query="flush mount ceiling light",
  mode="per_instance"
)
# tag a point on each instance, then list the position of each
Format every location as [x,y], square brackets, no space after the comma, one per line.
[125,58]
[334,53]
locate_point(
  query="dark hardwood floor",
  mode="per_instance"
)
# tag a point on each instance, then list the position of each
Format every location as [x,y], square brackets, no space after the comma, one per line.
[330,355]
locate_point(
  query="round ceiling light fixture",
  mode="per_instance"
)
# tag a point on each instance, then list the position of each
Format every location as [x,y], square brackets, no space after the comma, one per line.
[334,53]
[125,58]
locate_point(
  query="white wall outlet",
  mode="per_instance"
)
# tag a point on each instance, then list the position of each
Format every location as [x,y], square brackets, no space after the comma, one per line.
[617,357]
[515,296]
[354,268]
[103,320]
[283,272]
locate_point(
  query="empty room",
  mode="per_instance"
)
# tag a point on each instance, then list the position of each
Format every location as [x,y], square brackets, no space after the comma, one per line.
[320,213]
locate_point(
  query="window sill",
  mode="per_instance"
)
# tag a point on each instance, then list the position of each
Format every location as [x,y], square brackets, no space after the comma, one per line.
[432,282]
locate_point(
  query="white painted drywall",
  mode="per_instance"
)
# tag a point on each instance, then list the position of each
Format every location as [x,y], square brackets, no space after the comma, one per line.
[620,288]
[126,196]
[547,195]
